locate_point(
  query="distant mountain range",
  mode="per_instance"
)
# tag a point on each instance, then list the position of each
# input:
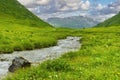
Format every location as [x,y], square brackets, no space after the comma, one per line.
[114,21]
[73,22]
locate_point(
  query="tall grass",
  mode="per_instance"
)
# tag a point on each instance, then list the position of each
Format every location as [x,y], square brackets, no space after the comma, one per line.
[17,38]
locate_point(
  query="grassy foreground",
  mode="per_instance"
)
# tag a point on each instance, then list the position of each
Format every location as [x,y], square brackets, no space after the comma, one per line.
[98,59]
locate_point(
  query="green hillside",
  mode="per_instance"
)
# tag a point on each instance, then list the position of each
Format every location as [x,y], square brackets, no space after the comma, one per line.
[12,12]
[114,21]
[22,30]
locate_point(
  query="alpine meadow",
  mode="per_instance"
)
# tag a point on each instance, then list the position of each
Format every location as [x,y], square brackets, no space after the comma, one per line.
[97,59]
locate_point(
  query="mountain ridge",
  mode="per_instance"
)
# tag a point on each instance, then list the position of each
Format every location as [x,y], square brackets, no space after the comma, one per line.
[72,22]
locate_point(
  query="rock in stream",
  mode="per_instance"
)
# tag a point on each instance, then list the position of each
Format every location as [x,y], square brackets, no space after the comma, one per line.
[17,63]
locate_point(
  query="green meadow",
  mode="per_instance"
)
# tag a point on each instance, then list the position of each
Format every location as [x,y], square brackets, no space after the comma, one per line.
[98,58]
[17,38]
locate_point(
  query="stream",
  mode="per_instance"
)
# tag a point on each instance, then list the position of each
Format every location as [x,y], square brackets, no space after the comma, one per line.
[39,55]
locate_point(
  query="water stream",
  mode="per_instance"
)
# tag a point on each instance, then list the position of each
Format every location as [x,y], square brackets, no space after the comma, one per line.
[37,56]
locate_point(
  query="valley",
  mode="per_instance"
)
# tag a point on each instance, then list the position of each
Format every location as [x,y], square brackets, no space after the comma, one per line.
[86,53]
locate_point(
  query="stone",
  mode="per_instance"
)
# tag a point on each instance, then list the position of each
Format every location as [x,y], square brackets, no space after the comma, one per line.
[17,63]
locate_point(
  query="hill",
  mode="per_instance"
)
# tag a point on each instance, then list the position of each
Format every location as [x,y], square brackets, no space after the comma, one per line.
[114,21]
[72,22]
[22,30]
[12,12]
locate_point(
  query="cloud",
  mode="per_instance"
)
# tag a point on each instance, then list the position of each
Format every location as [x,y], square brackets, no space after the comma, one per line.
[100,6]
[57,5]
[102,12]
[76,4]
[26,2]
[85,5]
[115,6]
[42,2]
[111,8]
[51,8]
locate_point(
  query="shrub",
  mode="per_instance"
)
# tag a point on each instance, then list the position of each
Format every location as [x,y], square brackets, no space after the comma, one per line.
[56,65]
[27,45]
[6,49]
[18,47]
[71,55]
[43,42]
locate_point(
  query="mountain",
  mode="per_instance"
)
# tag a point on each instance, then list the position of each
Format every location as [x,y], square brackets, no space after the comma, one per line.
[114,21]
[12,12]
[72,22]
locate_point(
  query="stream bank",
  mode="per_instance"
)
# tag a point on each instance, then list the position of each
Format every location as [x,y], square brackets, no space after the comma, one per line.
[39,55]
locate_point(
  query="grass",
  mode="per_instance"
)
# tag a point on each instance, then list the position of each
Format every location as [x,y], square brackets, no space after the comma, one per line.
[22,30]
[98,59]
[13,13]
[17,38]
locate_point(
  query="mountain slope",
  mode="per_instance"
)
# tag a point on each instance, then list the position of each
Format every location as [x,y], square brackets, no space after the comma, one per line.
[72,22]
[22,30]
[12,12]
[114,21]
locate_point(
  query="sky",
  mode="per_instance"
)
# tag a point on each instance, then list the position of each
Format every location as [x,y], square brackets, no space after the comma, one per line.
[99,10]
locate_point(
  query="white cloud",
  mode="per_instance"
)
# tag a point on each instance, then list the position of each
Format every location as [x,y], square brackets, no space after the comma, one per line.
[85,5]
[26,2]
[101,18]
[65,8]
[73,6]
[43,2]
[100,6]
[102,12]
[53,8]
[62,5]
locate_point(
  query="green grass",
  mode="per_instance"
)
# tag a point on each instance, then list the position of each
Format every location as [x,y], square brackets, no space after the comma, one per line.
[17,38]
[98,58]
[13,13]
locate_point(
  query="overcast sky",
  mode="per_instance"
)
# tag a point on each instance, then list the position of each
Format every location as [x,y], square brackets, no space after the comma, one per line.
[97,9]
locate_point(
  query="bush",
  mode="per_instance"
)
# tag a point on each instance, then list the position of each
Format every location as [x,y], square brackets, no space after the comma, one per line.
[28,45]
[18,47]
[43,42]
[6,49]
[56,65]
[70,55]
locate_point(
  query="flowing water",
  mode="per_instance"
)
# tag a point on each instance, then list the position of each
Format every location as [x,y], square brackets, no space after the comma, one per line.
[37,56]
